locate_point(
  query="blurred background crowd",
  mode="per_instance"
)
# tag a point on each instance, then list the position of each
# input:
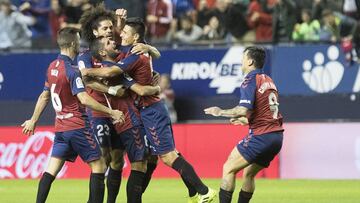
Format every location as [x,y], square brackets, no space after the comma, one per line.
[34,23]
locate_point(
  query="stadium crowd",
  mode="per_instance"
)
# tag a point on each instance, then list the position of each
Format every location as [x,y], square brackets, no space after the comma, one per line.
[30,23]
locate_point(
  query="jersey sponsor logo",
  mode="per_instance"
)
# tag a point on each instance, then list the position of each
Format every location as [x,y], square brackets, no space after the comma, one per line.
[27,160]
[244,101]
[225,75]
[1,80]
[54,72]
[325,73]
[81,65]
[79,83]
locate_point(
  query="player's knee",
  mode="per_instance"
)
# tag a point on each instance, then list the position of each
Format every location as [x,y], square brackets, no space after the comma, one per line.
[169,158]
[98,166]
[139,166]
[228,168]
[117,164]
[249,174]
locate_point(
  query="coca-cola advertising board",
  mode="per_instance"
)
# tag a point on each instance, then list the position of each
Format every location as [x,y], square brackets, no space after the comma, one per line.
[206,146]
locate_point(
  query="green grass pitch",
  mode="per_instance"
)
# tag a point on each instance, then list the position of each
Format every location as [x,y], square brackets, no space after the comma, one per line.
[173,191]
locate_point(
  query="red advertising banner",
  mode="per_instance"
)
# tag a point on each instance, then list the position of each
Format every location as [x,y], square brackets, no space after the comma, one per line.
[205,146]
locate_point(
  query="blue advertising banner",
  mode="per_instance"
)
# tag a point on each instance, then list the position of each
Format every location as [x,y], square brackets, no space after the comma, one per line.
[297,70]
[313,69]
[204,72]
[22,76]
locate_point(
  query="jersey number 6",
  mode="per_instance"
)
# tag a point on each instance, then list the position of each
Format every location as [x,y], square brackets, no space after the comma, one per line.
[55,99]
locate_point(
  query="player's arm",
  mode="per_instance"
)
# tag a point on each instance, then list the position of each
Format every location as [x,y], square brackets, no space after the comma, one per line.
[141,48]
[108,72]
[146,90]
[235,112]
[88,101]
[118,90]
[29,125]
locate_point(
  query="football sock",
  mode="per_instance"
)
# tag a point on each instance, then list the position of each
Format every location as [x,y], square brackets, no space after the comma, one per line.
[113,182]
[44,187]
[149,171]
[134,186]
[225,196]
[97,187]
[244,197]
[188,174]
[191,189]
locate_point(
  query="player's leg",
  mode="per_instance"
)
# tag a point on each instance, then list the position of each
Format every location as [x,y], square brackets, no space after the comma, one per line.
[85,144]
[116,164]
[157,124]
[260,150]
[61,151]
[134,187]
[232,166]
[193,196]
[114,177]
[133,140]
[54,166]
[188,173]
[151,165]
[248,186]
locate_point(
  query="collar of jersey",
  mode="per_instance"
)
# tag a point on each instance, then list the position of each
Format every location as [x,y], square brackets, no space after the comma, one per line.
[65,58]
[254,72]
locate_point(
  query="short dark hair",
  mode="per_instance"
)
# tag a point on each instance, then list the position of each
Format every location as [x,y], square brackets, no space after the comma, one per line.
[66,36]
[95,47]
[90,20]
[257,54]
[139,27]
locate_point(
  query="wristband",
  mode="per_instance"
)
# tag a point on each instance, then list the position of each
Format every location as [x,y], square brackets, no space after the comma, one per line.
[113,89]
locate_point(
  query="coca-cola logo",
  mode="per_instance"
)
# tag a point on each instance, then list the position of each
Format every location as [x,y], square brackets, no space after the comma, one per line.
[29,159]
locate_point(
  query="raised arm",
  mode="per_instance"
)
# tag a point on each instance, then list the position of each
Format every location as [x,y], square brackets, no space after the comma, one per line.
[29,125]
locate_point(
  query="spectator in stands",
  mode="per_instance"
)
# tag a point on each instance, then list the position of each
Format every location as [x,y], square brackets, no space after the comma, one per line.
[260,21]
[159,16]
[320,5]
[213,30]
[337,26]
[232,16]
[168,96]
[189,32]
[72,12]
[14,31]
[283,20]
[351,8]
[204,13]
[39,9]
[308,30]
[183,7]
[135,8]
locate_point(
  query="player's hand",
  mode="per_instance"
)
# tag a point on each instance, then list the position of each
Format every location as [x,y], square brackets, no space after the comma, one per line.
[215,111]
[140,48]
[121,13]
[28,127]
[117,116]
[151,19]
[155,78]
[239,121]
